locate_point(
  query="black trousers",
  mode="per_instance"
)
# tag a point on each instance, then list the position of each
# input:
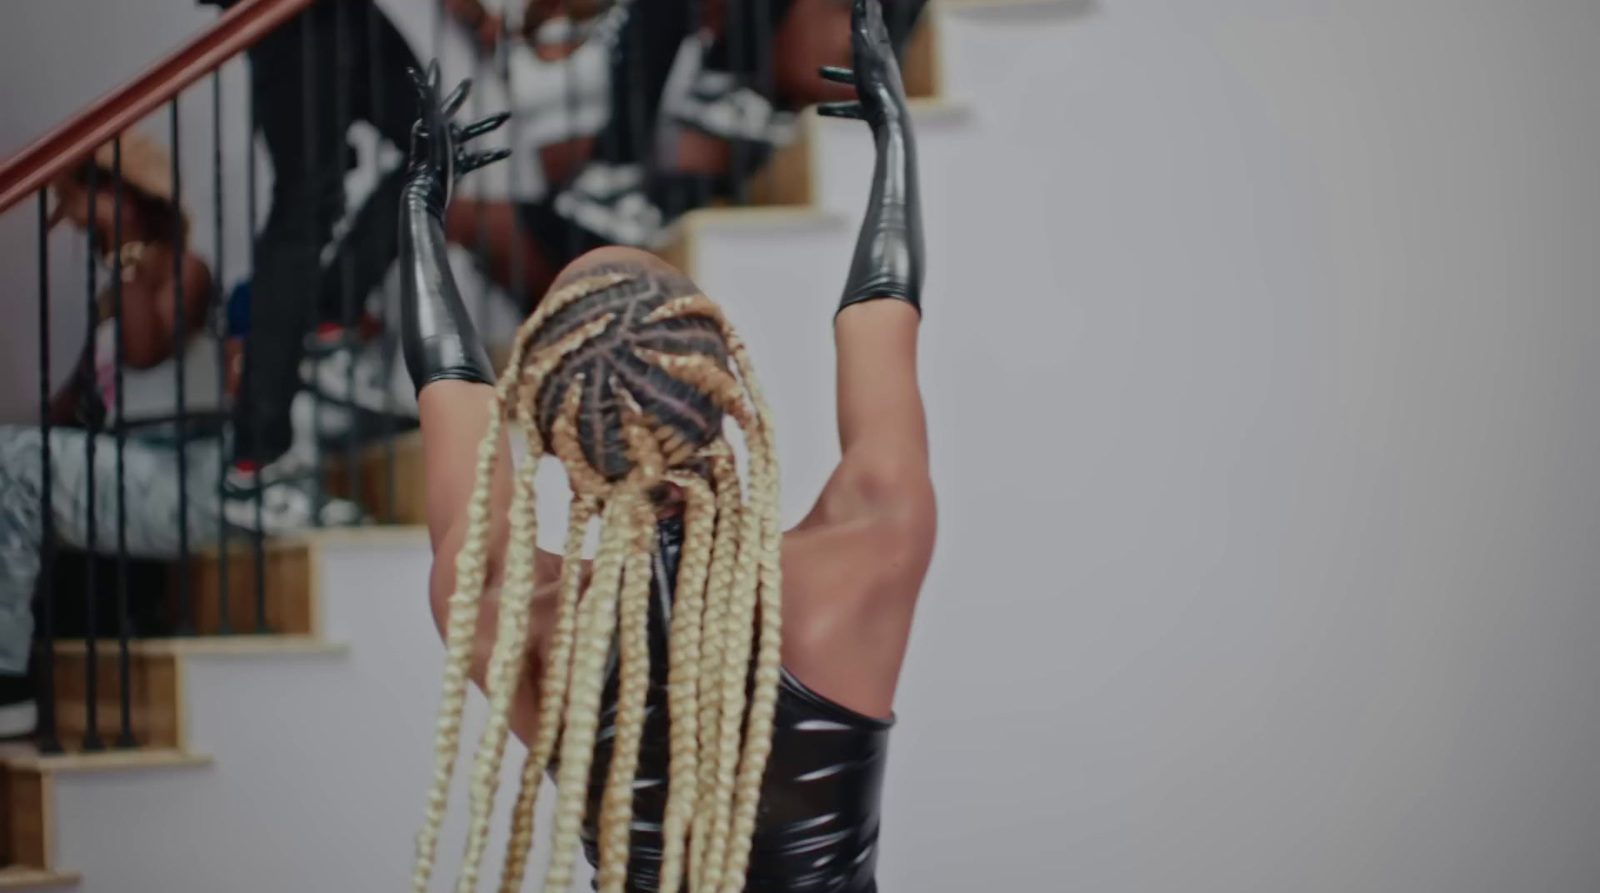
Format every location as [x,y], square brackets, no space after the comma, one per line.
[339,62]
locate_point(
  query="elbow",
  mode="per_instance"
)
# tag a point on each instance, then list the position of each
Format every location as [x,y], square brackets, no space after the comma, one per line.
[905,534]
[887,492]
[896,505]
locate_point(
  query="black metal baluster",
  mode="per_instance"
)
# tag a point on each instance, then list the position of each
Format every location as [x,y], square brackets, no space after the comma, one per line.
[695,191]
[347,296]
[49,741]
[733,31]
[258,537]
[220,314]
[180,343]
[764,81]
[900,15]
[125,737]
[91,656]
[518,272]
[379,100]
[609,151]
[440,20]
[574,235]
[638,128]
[314,162]
[480,221]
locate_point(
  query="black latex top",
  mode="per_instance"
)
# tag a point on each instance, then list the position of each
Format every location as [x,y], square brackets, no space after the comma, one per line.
[888,261]
[817,828]
[436,334]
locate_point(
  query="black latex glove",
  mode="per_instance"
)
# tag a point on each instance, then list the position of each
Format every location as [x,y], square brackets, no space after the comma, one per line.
[436,333]
[439,155]
[876,75]
[888,260]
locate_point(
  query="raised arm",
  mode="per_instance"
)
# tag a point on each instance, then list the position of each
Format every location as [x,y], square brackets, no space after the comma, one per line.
[856,564]
[453,377]
[443,353]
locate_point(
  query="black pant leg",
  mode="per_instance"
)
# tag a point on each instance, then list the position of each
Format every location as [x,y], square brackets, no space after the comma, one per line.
[297,120]
[382,95]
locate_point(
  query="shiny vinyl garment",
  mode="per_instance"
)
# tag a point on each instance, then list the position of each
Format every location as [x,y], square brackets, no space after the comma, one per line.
[817,829]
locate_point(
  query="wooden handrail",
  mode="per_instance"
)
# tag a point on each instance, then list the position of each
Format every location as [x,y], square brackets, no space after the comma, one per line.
[74,140]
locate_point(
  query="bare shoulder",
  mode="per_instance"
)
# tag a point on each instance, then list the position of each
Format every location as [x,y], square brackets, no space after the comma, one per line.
[850,590]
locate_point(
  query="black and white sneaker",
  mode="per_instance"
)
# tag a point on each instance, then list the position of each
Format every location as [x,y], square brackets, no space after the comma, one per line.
[288,501]
[19,712]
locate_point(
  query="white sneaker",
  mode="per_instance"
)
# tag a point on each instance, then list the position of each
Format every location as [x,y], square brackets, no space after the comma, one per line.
[19,712]
[365,389]
[287,503]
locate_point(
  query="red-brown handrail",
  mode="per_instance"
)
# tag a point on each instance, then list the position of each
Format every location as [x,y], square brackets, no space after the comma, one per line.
[47,157]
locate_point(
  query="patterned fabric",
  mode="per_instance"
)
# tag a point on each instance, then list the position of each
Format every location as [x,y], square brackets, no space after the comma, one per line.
[151,479]
[627,194]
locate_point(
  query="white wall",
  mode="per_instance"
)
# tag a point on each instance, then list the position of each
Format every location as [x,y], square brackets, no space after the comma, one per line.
[1258,345]
[1260,358]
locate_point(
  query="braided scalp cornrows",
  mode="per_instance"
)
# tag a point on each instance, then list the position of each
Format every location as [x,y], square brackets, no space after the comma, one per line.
[626,373]
[616,360]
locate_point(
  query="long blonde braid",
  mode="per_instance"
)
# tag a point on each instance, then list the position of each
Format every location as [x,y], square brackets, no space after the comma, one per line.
[505,665]
[729,570]
[719,590]
[763,699]
[683,674]
[616,816]
[461,622]
[596,622]
[552,697]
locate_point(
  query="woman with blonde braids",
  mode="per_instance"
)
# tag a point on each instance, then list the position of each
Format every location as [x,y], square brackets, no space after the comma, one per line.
[711,694]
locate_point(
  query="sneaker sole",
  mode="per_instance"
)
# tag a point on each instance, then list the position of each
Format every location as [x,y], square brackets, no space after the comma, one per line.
[19,720]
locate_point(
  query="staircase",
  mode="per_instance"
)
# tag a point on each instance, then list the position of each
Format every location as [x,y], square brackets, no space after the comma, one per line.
[295,760]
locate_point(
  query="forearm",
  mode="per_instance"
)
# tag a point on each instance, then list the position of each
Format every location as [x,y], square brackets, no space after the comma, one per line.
[438,338]
[888,259]
[448,365]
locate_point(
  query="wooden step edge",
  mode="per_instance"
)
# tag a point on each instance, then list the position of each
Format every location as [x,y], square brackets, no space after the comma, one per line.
[924,110]
[241,544]
[966,5]
[105,761]
[28,824]
[680,244]
[21,877]
[938,108]
[759,217]
[375,535]
[208,646]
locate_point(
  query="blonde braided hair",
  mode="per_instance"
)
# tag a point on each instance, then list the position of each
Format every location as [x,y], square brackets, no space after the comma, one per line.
[625,374]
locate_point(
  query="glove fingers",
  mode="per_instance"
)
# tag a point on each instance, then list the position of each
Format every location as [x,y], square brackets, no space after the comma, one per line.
[838,75]
[479,128]
[841,110]
[452,103]
[481,159]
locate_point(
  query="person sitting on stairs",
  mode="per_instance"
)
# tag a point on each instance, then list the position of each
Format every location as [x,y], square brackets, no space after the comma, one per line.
[140,378]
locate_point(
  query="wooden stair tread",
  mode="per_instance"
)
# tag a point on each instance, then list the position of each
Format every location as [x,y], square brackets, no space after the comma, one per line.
[26,756]
[960,5]
[211,645]
[21,877]
[404,532]
[759,216]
